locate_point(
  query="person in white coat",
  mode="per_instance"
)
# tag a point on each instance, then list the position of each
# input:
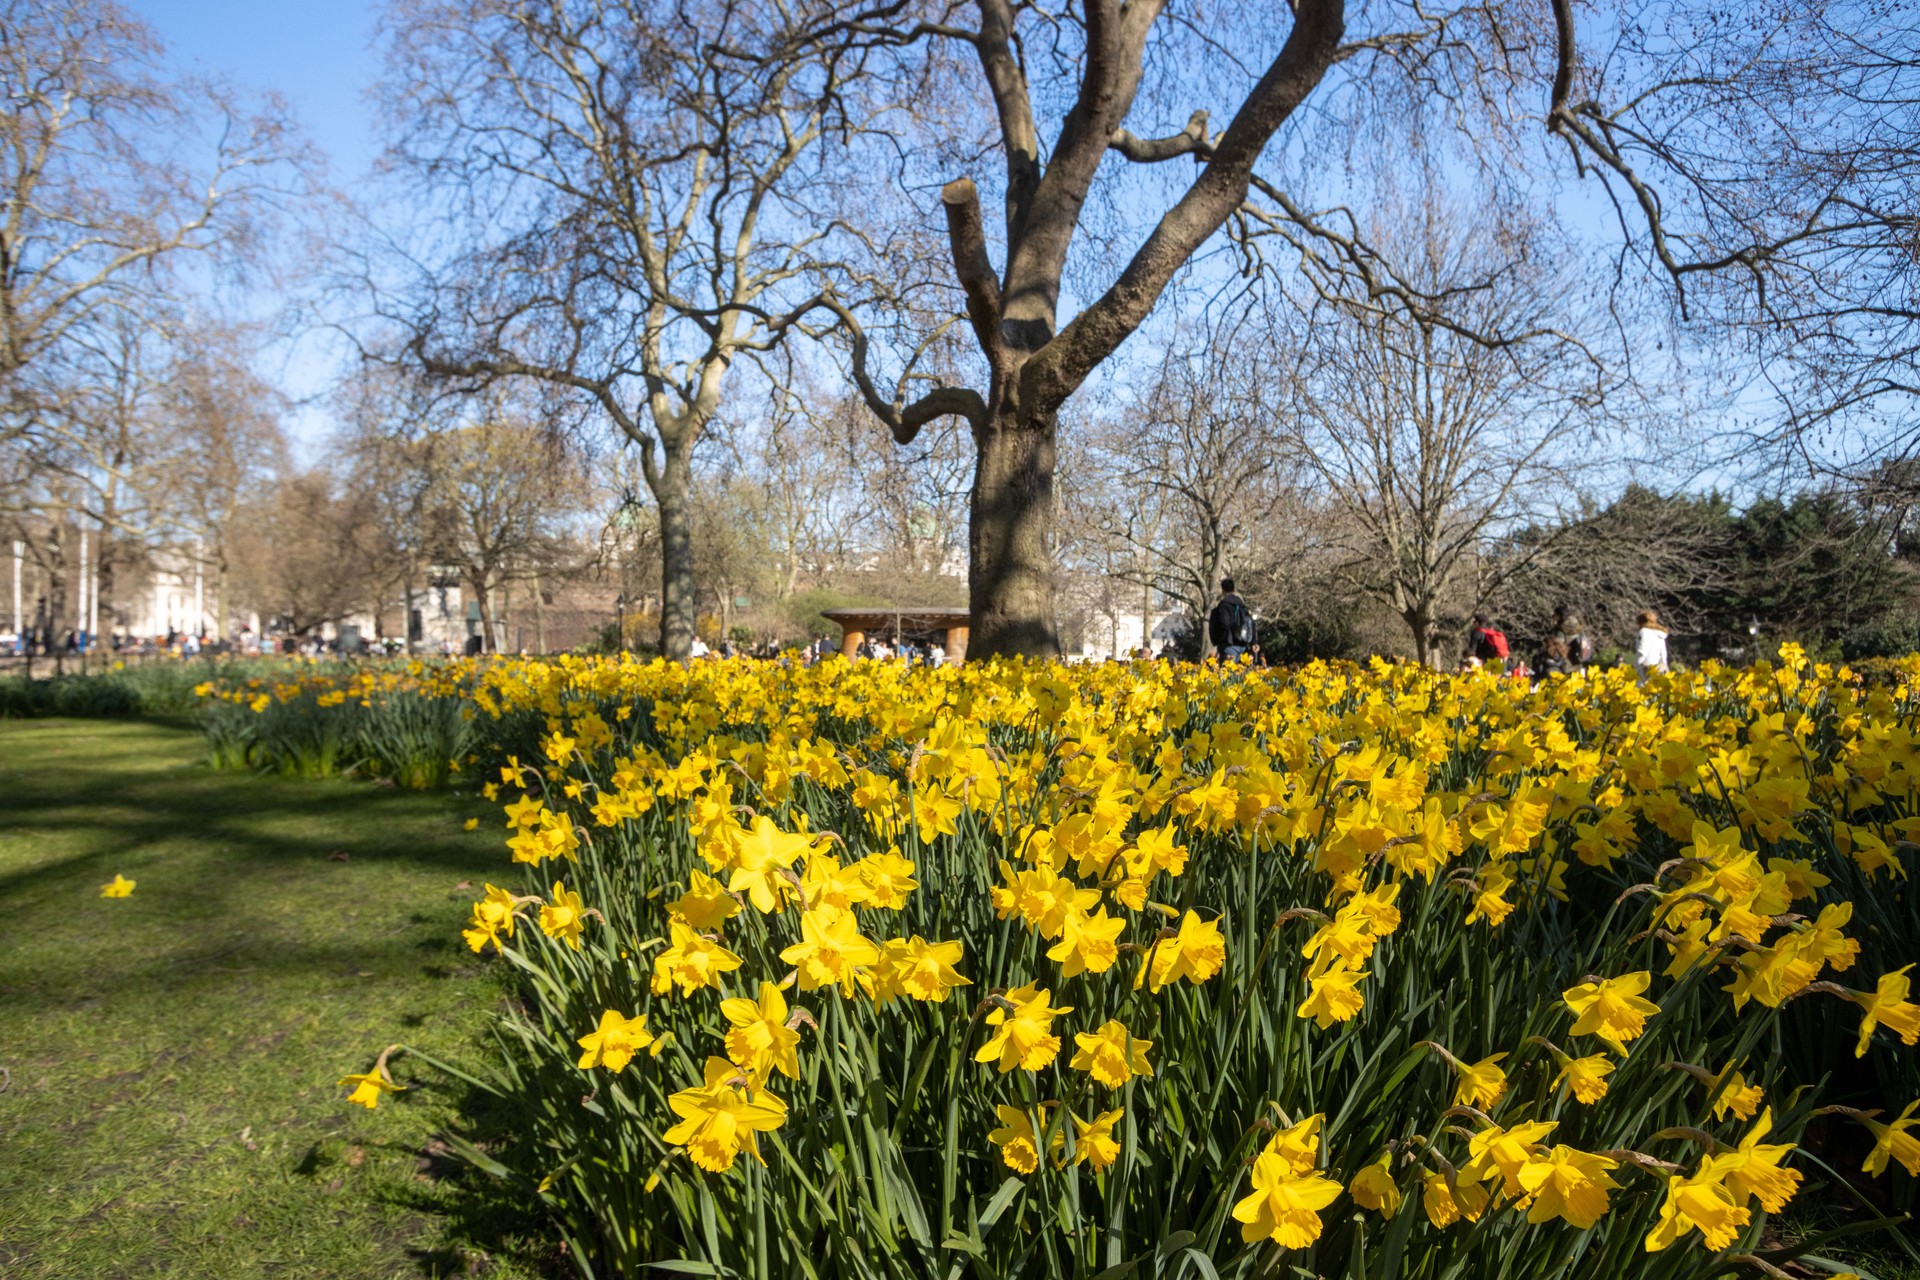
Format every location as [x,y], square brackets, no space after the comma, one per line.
[1650,650]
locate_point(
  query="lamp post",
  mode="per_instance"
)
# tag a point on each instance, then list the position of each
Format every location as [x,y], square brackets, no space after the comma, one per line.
[620,622]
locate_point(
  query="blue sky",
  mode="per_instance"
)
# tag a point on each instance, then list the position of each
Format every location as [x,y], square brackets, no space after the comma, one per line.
[319,57]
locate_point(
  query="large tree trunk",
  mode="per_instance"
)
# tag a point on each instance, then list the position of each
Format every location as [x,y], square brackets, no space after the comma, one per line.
[1010,584]
[678,607]
[1422,628]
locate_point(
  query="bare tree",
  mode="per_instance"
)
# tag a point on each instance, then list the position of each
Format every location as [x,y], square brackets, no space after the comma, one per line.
[619,189]
[497,493]
[308,552]
[218,439]
[1427,432]
[1694,118]
[1187,479]
[1032,362]
[109,172]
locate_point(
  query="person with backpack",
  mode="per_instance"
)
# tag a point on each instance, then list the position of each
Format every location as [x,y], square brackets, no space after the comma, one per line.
[1553,658]
[1487,644]
[1566,628]
[1230,625]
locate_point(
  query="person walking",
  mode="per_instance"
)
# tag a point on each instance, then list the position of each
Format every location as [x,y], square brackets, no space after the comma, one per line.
[1486,645]
[1230,625]
[1553,658]
[1566,628]
[1650,648]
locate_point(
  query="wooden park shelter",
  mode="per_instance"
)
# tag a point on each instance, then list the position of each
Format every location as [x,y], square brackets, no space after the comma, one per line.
[949,626]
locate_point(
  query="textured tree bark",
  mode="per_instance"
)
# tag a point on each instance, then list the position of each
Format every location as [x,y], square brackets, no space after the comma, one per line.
[672,490]
[1035,365]
[1010,572]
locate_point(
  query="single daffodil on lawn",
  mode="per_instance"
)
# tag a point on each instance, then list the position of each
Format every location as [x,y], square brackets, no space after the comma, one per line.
[118,887]
[368,1088]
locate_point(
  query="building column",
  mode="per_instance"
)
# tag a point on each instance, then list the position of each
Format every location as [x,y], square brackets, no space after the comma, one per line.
[956,645]
[850,640]
[80,609]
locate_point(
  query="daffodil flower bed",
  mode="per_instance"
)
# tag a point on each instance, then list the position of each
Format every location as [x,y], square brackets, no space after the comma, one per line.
[1021,969]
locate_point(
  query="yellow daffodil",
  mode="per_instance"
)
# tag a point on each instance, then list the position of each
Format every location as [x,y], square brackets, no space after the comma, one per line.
[760,858]
[760,1040]
[1195,953]
[1110,1055]
[706,904]
[118,887]
[493,919]
[1093,1140]
[1333,997]
[1700,1201]
[1568,1184]
[831,950]
[1503,1152]
[1285,1205]
[923,970]
[1019,1147]
[368,1088]
[564,916]
[1481,1084]
[613,1044]
[1024,1037]
[1891,1141]
[1374,1188]
[1446,1203]
[691,961]
[720,1117]
[1887,1005]
[888,878]
[1585,1078]
[1753,1169]
[1612,1008]
[1087,943]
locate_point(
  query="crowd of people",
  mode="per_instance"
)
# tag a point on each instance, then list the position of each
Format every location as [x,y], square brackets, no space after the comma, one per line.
[914,652]
[1564,649]
[74,643]
[1232,634]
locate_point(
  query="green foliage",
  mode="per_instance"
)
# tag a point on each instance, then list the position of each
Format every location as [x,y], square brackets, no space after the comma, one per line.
[148,689]
[1820,568]
[801,611]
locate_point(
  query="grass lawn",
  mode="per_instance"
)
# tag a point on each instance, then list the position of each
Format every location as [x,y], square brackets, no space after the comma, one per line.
[169,1103]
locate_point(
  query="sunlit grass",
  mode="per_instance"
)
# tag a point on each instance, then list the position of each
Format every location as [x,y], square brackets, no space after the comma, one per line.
[170,1105]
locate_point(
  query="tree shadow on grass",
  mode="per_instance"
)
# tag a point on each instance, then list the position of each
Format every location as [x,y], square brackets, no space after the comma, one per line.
[482,1217]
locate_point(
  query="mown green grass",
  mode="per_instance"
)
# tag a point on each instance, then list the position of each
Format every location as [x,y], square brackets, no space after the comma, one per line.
[169,1104]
